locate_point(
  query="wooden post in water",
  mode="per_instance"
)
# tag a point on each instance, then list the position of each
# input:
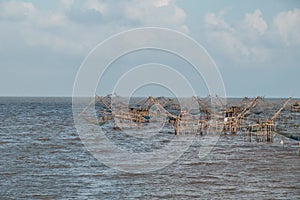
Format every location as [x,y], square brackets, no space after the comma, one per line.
[115,123]
[186,127]
[201,128]
[234,126]
[299,148]
[130,123]
[250,132]
[176,126]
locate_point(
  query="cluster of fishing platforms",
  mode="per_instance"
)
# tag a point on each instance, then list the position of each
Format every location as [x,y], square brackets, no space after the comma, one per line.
[257,118]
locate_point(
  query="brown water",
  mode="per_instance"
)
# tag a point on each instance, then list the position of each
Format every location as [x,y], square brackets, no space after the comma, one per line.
[42,157]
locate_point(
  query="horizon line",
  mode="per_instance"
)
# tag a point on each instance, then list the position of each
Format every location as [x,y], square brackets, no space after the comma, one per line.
[63,96]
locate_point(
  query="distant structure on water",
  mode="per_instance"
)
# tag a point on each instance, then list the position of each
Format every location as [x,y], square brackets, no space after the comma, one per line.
[257,118]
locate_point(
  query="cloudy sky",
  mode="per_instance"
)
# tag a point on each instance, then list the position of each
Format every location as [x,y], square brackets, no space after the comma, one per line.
[255,44]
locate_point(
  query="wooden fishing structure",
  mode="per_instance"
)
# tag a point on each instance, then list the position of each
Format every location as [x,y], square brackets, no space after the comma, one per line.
[257,122]
[264,130]
[295,107]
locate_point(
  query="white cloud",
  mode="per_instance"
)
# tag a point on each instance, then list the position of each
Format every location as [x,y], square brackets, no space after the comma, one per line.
[74,28]
[158,13]
[233,45]
[26,14]
[161,3]
[212,20]
[67,4]
[233,40]
[98,6]
[215,21]
[256,22]
[36,28]
[16,9]
[288,26]
[51,20]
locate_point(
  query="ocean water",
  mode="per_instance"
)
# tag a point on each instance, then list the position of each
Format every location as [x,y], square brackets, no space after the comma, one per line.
[43,157]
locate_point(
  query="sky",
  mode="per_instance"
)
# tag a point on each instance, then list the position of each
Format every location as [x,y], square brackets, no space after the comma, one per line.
[255,44]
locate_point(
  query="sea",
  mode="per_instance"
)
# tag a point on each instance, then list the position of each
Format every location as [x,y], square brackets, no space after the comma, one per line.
[43,157]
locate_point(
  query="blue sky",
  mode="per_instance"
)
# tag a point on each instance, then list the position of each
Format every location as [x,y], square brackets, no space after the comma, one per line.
[255,44]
